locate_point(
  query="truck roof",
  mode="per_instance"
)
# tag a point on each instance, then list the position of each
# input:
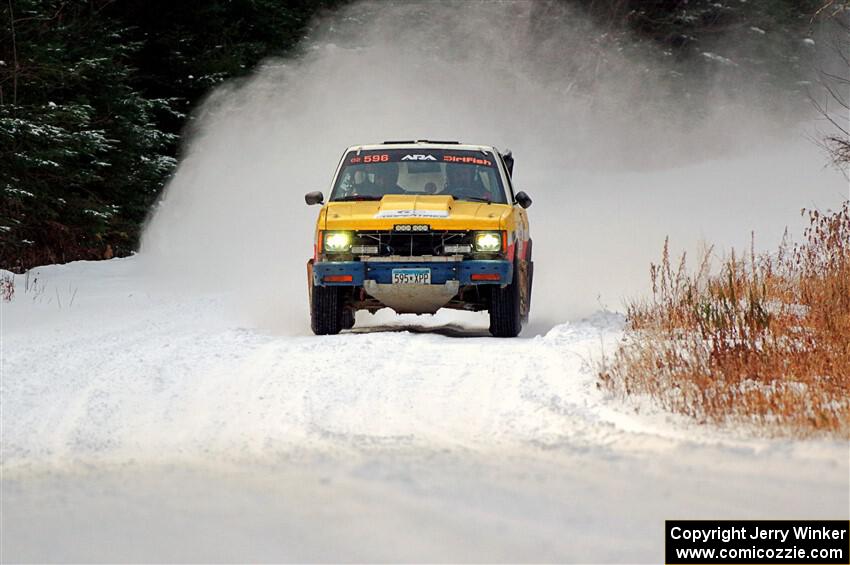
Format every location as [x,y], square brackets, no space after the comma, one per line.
[422,143]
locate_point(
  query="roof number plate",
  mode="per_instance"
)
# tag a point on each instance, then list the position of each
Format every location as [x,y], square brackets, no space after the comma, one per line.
[419,228]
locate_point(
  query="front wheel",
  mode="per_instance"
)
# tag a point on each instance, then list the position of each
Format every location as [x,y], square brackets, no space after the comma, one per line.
[505,314]
[326,310]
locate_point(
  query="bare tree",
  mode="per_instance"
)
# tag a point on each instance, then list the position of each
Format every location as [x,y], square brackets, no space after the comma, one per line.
[833,99]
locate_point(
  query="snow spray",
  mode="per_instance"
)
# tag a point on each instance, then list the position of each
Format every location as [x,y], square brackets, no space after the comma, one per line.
[613,157]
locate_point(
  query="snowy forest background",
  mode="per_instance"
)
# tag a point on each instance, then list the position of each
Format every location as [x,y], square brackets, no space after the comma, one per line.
[96,96]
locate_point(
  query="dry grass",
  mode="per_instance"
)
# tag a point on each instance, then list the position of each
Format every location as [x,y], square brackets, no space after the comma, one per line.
[7,287]
[763,340]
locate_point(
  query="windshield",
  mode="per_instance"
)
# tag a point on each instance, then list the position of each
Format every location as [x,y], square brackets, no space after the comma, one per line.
[465,175]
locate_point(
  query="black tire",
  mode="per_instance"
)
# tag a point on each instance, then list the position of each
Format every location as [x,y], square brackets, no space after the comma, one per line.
[326,310]
[505,315]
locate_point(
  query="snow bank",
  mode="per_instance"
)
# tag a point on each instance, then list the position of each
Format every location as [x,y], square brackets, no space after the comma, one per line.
[141,424]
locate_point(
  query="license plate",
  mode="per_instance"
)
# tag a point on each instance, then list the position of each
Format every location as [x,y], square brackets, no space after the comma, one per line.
[411,276]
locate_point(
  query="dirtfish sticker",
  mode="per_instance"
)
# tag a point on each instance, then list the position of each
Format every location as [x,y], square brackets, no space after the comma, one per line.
[412,214]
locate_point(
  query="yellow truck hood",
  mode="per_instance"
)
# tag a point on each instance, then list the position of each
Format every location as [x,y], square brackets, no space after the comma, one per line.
[440,212]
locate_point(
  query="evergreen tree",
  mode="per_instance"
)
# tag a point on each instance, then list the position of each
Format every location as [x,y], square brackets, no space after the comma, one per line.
[81,158]
[93,97]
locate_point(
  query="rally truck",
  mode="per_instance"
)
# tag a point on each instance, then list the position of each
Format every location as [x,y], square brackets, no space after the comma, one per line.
[417,226]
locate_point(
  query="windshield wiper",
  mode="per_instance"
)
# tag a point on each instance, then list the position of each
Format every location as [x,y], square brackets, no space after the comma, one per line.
[353,197]
[475,199]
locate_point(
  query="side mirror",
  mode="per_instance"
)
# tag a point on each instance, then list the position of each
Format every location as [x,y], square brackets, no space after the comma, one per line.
[508,158]
[314,198]
[523,199]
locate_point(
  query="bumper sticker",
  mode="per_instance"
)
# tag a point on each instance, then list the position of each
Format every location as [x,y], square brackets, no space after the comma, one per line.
[412,214]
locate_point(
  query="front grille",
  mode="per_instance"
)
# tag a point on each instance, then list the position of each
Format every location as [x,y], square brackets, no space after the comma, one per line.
[412,244]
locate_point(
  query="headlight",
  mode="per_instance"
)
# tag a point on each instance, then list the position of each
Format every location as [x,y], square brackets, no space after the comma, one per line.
[337,241]
[488,242]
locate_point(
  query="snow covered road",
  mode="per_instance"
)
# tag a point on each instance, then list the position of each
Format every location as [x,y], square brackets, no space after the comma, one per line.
[142,424]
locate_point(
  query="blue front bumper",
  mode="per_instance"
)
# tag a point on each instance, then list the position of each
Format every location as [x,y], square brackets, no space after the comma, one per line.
[441,272]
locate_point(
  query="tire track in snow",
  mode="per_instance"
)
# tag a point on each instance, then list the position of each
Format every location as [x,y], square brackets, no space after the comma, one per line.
[174,381]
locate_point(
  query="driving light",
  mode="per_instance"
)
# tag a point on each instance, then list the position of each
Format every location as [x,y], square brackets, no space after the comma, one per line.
[364,249]
[489,242]
[337,241]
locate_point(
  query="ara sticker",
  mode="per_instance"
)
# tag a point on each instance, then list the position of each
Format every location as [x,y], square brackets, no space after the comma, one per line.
[418,158]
